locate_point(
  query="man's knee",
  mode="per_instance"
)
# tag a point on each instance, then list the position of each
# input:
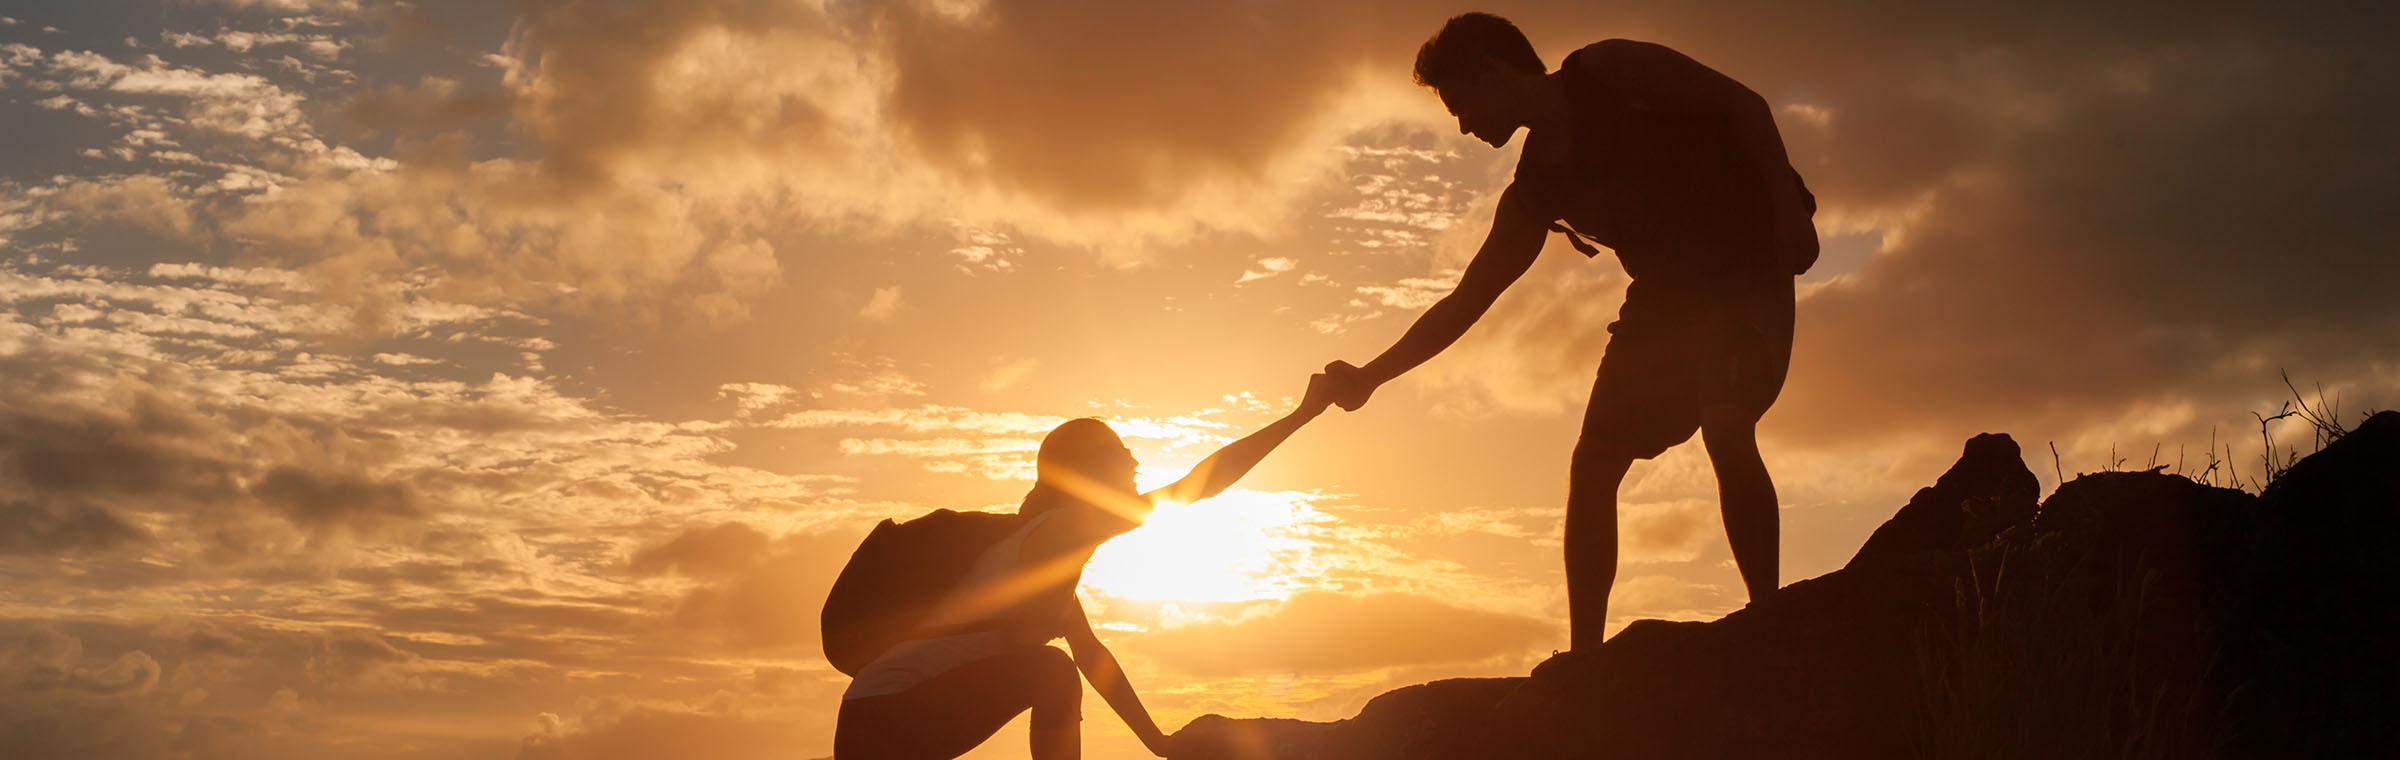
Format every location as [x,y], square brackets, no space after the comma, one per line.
[1728,430]
[1597,469]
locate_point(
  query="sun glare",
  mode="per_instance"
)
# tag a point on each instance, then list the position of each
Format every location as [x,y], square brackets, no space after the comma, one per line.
[1240,546]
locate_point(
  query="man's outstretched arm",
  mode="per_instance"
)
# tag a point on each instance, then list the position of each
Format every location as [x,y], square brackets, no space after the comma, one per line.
[1508,250]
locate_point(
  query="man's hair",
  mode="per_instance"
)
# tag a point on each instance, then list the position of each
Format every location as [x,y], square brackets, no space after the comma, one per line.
[1469,37]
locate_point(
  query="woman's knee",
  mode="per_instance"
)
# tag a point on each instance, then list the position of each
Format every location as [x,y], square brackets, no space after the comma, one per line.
[1055,678]
[1057,691]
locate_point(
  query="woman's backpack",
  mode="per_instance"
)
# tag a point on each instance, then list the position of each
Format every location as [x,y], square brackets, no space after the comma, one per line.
[897,575]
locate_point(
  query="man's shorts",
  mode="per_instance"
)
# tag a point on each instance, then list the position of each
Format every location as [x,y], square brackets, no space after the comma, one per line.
[1676,350]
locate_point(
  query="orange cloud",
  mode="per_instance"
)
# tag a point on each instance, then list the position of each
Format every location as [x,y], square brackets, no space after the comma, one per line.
[987,115]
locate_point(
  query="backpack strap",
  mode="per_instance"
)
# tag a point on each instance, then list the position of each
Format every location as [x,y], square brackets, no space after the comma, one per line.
[1582,242]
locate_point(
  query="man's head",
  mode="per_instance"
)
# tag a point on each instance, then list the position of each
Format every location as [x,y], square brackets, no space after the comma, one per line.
[1467,62]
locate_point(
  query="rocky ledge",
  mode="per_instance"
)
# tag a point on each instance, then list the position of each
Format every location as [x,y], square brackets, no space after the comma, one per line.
[2131,614]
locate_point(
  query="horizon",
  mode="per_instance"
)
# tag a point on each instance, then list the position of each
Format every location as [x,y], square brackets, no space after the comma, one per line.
[454,379]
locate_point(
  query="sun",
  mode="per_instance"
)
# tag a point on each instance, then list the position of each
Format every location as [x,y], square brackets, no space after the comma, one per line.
[1240,546]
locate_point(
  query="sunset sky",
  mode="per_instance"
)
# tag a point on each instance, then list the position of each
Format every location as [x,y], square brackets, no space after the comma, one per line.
[509,379]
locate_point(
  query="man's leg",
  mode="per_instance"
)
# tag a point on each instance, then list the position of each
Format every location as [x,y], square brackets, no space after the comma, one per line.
[1746,496]
[1592,540]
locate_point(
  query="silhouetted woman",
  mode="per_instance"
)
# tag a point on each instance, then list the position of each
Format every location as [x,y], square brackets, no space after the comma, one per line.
[944,693]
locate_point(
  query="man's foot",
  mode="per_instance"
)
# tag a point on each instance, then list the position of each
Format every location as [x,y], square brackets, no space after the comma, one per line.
[1561,665]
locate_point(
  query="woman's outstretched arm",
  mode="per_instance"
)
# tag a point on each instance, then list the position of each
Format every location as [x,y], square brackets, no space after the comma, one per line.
[1100,667]
[1219,471]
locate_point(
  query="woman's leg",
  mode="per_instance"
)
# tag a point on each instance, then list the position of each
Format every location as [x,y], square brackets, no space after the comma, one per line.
[952,713]
[1057,691]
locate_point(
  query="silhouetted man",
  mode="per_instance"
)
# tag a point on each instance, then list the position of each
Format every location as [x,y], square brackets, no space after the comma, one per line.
[1679,169]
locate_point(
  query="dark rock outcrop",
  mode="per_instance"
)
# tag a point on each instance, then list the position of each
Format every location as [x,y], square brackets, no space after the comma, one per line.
[2132,614]
[1987,491]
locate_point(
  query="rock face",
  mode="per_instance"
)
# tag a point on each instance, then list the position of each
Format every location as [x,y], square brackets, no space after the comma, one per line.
[2132,614]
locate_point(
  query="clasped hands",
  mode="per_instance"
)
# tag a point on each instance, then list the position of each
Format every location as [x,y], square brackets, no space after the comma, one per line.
[1340,384]
[1346,386]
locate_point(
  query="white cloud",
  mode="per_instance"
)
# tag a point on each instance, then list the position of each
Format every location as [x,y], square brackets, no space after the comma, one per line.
[992,444]
[237,103]
[751,398]
[981,249]
[921,419]
[881,306]
[1267,267]
[1410,293]
[320,46]
[285,7]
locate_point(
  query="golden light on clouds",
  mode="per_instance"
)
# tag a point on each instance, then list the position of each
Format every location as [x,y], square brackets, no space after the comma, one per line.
[468,379]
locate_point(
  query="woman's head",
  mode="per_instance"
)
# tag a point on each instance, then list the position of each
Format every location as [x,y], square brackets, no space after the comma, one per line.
[1083,463]
[1085,449]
